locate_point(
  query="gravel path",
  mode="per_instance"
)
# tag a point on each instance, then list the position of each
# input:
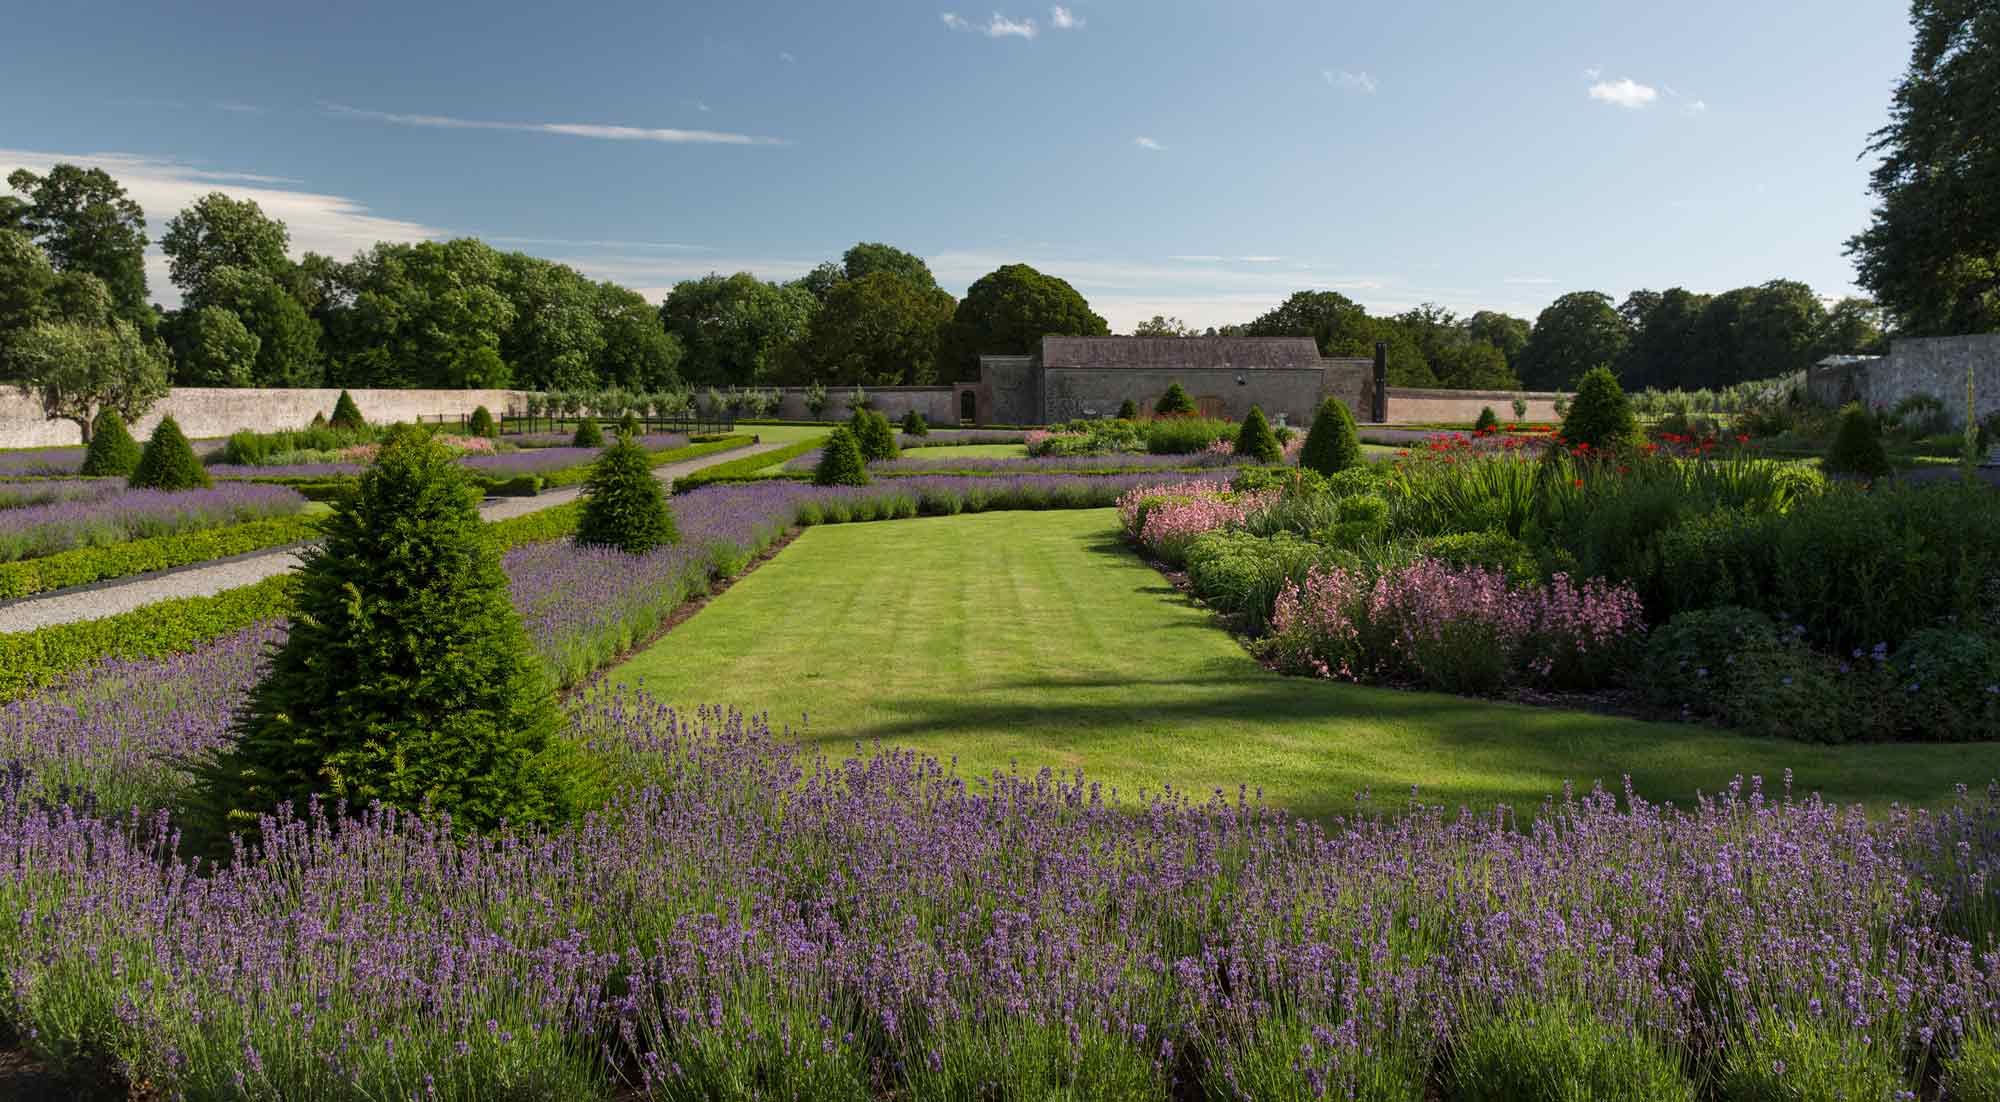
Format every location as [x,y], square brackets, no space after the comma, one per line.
[207,579]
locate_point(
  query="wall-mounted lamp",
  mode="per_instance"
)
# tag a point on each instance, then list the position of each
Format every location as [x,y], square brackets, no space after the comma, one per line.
[1240,380]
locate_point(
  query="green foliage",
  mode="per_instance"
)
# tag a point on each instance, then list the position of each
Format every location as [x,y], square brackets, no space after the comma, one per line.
[588,434]
[1601,416]
[1178,435]
[748,467]
[406,676]
[1175,402]
[1801,1060]
[93,564]
[1495,551]
[1577,332]
[481,424]
[914,424]
[214,349]
[840,462]
[1256,440]
[623,503]
[1332,445]
[317,444]
[215,232]
[286,339]
[112,450]
[1973,1073]
[1857,447]
[1243,574]
[168,462]
[878,329]
[737,329]
[1007,312]
[1557,1053]
[77,368]
[1128,410]
[1947,680]
[873,435]
[346,415]
[86,224]
[1488,420]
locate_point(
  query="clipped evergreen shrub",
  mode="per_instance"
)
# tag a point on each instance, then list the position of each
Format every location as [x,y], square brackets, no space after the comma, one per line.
[1128,410]
[1256,440]
[1175,402]
[346,415]
[623,505]
[112,449]
[406,676]
[840,462]
[1488,420]
[1857,446]
[168,463]
[915,425]
[1601,415]
[1332,444]
[318,421]
[588,434]
[628,425]
[481,424]
[873,435]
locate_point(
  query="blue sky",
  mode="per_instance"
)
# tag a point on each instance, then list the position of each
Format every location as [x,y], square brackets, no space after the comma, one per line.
[1194,159]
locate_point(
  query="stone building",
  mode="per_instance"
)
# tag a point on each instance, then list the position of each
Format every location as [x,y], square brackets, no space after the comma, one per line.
[1068,378]
[1938,367]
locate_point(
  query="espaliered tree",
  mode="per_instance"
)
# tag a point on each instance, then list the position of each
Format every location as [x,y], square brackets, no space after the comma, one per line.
[1333,444]
[1256,440]
[1175,402]
[406,676]
[623,506]
[169,462]
[840,462]
[112,449]
[346,415]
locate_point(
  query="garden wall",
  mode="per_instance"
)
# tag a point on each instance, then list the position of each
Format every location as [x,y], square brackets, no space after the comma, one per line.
[1937,366]
[219,411]
[1417,406]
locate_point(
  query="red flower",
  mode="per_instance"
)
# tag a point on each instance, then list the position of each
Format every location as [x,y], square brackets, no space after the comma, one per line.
[1742,438]
[1579,482]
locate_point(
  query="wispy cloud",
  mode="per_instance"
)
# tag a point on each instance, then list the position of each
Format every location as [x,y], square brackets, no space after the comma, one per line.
[570,129]
[1351,82]
[1626,93]
[998,27]
[1063,19]
[1148,143]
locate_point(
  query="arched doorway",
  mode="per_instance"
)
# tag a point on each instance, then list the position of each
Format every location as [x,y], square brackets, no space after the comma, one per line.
[968,407]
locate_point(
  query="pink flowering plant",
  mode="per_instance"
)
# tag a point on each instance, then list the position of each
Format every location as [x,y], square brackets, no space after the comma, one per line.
[1165,520]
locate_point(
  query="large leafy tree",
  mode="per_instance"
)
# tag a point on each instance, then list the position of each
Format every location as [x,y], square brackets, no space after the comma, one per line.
[869,257]
[879,330]
[1779,330]
[556,338]
[26,281]
[84,221]
[1854,325]
[1666,330]
[1505,332]
[638,353]
[1932,255]
[1159,325]
[78,368]
[737,330]
[216,232]
[214,349]
[288,341]
[429,314]
[1338,324]
[1008,311]
[1577,332]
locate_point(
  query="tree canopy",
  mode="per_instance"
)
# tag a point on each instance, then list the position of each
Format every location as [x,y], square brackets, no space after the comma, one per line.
[220,232]
[879,330]
[1008,311]
[84,222]
[736,329]
[1577,332]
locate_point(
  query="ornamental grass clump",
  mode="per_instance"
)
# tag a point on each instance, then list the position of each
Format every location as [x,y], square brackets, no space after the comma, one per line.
[1332,445]
[1256,440]
[588,434]
[623,504]
[346,415]
[168,462]
[1175,403]
[406,677]
[1857,446]
[840,462]
[112,450]
[481,424]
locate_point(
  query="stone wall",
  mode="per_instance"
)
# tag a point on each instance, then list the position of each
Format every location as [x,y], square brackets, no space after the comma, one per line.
[219,411]
[1417,406]
[1288,392]
[1008,392]
[1937,366]
[1350,380]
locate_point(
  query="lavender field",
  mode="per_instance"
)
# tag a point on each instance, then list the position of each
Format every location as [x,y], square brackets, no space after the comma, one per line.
[95,513]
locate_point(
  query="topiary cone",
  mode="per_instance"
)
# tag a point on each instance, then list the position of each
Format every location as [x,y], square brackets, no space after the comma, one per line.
[168,463]
[346,415]
[588,434]
[112,449]
[1256,440]
[1332,445]
[623,505]
[840,462]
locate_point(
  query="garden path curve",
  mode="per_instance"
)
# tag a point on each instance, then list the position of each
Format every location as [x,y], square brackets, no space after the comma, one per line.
[94,602]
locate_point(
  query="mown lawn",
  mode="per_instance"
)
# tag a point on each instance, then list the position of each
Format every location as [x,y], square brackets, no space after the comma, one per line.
[968,451]
[1038,638]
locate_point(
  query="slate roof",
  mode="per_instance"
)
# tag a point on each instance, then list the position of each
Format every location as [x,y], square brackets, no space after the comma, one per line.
[1180,353]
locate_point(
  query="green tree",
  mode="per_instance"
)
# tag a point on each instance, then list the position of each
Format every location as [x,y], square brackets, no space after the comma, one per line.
[217,232]
[1577,332]
[288,348]
[878,330]
[1932,254]
[168,461]
[622,503]
[1667,334]
[1175,402]
[1468,364]
[84,221]
[821,281]
[26,282]
[76,369]
[1857,445]
[1332,444]
[1488,420]
[112,450]
[1601,415]
[1335,322]
[738,330]
[914,424]
[840,462]
[555,339]
[869,258]
[406,675]
[588,434]
[639,354]
[1503,331]
[346,415]
[1256,440]
[1779,331]
[873,435]
[1159,325]
[1854,327]
[481,423]
[1007,312]
[429,314]
[216,350]
[1128,410]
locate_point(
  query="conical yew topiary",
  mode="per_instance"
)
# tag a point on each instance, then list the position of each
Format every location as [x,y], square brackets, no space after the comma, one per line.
[1332,445]
[1175,402]
[1857,446]
[628,425]
[112,449]
[588,434]
[168,463]
[406,676]
[1600,416]
[1256,440]
[915,425]
[346,415]
[318,421]
[623,505]
[840,462]
[1128,410]
[481,423]
[1488,420]
[873,435]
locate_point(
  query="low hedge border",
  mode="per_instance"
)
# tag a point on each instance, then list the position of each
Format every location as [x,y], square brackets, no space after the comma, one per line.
[84,565]
[570,476]
[747,468]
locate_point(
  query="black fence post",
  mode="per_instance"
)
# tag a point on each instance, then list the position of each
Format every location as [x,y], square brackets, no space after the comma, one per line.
[1379,411]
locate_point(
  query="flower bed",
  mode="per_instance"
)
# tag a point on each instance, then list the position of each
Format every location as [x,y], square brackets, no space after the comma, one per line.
[37,530]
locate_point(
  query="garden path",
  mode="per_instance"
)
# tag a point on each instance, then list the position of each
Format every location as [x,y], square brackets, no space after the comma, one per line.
[94,602]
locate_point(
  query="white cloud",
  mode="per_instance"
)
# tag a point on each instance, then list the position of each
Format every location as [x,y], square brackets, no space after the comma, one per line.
[1626,93]
[331,224]
[1352,82]
[1198,258]
[1148,143]
[1063,19]
[571,129]
[1259,259]
[998,27]
[786,57]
